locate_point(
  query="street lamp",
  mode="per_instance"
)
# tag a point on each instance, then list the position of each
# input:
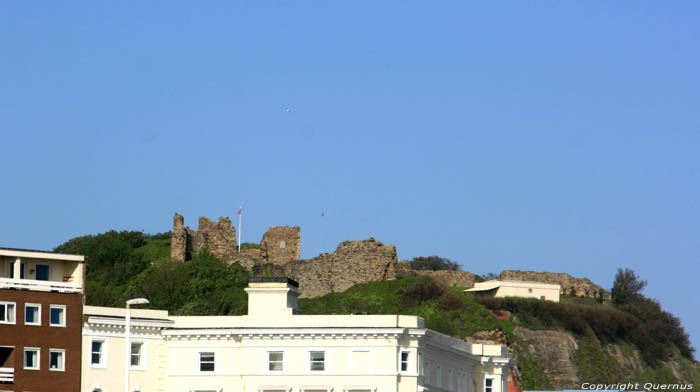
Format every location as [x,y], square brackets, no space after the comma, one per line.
[127,335]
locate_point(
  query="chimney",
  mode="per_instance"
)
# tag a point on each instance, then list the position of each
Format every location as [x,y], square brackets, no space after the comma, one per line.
[272,297]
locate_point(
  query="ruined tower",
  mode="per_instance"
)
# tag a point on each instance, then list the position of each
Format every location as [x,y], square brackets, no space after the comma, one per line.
[281,244]
[219,237]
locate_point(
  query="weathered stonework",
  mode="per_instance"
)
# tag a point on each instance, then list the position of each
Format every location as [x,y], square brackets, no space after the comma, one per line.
[450,278]
[554,351]
[281,245]
[181,240]
[352,262]
[582,287]
[219,237]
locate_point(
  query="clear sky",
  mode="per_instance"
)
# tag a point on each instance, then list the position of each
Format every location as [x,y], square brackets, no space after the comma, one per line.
[550,136]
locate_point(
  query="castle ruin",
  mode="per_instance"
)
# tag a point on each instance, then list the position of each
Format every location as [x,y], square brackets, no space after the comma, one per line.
[352,262]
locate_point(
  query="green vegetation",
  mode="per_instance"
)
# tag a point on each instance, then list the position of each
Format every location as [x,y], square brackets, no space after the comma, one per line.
[433,263]
[127,264]
[249,245]
[445,310]
[532,374]
[594,363]
[653,337]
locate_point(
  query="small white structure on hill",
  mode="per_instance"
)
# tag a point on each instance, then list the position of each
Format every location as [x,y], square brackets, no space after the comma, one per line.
[512,288]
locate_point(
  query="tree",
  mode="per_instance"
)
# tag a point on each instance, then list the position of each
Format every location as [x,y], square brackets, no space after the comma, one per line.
[433,263]
[627,287]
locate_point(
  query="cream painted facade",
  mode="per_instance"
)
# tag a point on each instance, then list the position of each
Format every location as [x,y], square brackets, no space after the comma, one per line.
[274,348]
[41,271]
[511,288]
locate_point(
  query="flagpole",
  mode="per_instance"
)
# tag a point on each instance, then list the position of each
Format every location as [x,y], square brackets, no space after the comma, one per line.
[240,214]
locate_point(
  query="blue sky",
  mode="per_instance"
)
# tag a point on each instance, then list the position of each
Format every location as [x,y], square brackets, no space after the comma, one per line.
[549,136]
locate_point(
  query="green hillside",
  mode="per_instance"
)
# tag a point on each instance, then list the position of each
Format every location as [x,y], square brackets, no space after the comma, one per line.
[650,344]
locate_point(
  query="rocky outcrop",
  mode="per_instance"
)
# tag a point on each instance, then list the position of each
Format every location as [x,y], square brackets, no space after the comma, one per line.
[581,287]
[554,350]
[352,262]
[556,353]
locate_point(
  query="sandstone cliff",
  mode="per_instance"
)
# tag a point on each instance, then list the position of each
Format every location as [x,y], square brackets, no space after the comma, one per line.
[566,361]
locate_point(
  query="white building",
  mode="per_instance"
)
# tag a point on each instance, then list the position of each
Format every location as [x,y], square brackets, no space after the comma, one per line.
[513,288]
[274,348]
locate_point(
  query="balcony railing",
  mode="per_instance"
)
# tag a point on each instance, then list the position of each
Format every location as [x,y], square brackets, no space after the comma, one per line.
[7,374]
[40,285]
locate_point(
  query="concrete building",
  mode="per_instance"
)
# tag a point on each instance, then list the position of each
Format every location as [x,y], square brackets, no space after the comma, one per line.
[274,348]
[41,300]
[512,288]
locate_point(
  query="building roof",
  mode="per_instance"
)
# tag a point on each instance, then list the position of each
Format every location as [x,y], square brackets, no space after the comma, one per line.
[494,284]
[40,254]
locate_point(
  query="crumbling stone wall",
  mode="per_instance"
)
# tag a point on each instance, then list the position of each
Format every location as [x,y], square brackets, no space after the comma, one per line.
[352,262]
[281,245]
[181,244]
[219,237]
[450,278]
[582,287]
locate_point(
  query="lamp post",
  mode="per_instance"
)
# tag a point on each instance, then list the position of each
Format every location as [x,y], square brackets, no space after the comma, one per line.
[127,335]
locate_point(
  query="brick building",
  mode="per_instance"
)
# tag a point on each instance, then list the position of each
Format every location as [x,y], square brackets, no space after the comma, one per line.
[41,304]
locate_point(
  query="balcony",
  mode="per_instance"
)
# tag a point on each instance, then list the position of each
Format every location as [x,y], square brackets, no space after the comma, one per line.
[7,374]
[40,285]
[41,271]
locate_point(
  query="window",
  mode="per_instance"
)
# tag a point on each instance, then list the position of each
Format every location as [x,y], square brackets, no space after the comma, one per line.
[98,355]
[137,354]
[7,312]
[529,290]
[404,360]
[207,362]
[43,272]
[57,360]
[542,297]
[31,358]
[317,361]
[21,270]
[282,245]
[32,314]
[58,316]
[275,361]
[420,364]
[488,385]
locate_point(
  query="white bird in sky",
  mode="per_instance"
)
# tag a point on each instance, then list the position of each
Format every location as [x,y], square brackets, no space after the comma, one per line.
[288,109]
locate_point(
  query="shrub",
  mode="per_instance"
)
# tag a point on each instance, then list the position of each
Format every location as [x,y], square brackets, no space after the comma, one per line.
[451,301]
[422,289]
[627,287]
[433,263]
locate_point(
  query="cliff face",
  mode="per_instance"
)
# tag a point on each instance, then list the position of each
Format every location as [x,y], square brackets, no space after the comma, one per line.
[567,361]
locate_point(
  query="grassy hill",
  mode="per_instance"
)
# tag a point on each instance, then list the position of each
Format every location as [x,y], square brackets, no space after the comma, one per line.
[557,345]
